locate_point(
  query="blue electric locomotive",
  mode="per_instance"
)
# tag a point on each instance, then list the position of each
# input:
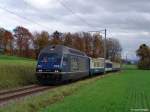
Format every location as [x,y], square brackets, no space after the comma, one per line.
[58,63]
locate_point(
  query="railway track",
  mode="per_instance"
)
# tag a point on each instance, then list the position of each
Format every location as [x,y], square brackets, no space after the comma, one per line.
[9,95]
[15,94]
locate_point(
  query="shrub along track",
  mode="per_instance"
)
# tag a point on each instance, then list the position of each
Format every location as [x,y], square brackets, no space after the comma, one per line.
[9,95]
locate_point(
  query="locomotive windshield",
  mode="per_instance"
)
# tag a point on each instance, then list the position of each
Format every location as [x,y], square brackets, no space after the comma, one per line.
[51,58]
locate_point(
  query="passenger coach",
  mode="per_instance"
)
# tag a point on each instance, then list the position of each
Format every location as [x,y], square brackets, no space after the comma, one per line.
[57,63]
[108,66]
[116,66]
[96,66]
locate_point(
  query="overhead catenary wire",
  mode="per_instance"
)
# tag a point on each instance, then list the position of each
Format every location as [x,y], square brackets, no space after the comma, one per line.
[39,24]
[74,13]
[25,18]
[80,18]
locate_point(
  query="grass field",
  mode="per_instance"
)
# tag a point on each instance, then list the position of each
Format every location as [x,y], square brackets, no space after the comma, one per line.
[118,92]
[16,71]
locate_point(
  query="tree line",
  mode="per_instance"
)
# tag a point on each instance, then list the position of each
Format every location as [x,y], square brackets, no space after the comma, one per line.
[144,57]
[22,42]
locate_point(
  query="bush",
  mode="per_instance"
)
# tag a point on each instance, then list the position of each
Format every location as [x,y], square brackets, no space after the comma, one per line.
[144,64]
[144,54]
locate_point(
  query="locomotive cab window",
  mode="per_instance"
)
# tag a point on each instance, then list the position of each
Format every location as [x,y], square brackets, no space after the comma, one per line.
[50,58]
[65,60]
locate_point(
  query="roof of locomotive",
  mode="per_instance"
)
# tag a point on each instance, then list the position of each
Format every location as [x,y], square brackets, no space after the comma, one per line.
[61,49]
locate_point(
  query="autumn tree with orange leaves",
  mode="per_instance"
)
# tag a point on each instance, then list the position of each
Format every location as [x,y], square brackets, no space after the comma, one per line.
[41,40]
[6,41]
[56,38]
[97,46]
[87,39]
[1,40]
[26,44]
[78,42]
[68,40]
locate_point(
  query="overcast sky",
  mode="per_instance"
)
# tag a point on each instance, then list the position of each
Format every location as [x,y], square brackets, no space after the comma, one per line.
[126,20]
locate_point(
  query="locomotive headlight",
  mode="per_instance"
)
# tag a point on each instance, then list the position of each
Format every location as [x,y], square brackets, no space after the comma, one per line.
[40,70]
[56,71]
[39,66]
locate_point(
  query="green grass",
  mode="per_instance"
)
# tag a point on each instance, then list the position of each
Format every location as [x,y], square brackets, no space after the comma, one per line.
[118,92]
[5,57]
[129,67]
[35,103]
[16,71]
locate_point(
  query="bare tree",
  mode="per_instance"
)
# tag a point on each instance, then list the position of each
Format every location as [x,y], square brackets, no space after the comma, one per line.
[113,49]
[22,36]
